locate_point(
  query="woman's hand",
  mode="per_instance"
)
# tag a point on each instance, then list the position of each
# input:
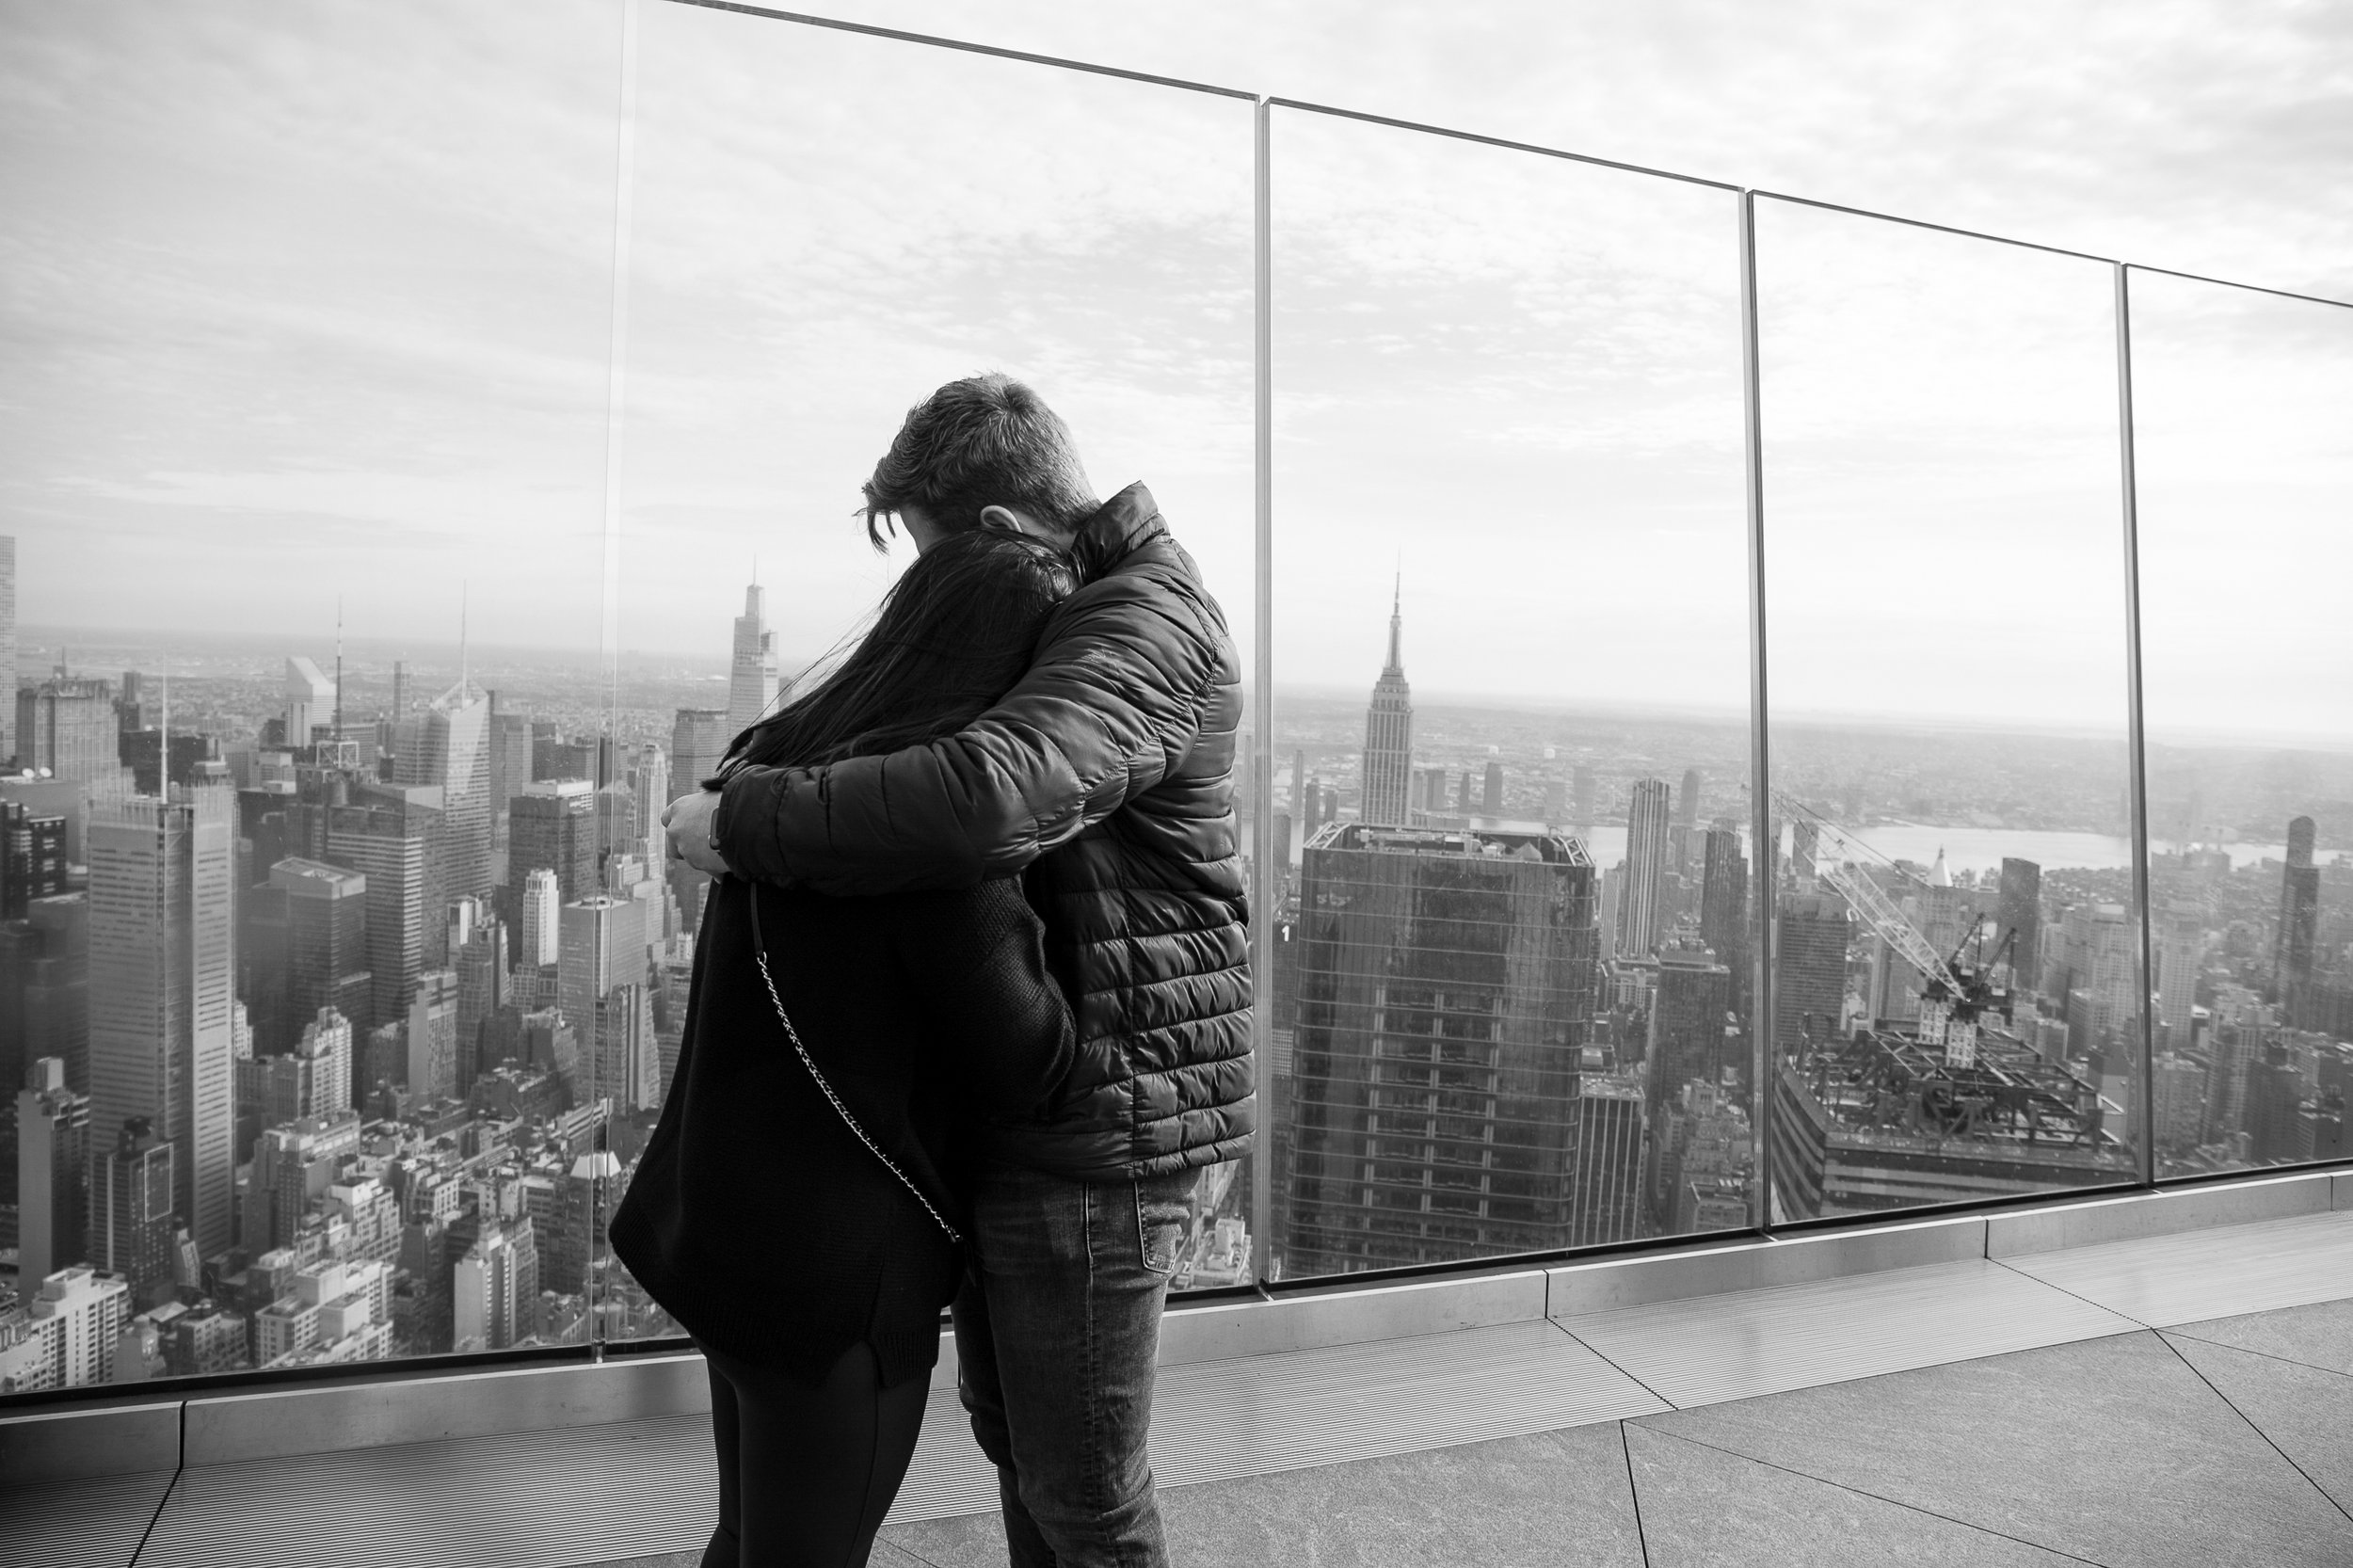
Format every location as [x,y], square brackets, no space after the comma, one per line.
[688,820]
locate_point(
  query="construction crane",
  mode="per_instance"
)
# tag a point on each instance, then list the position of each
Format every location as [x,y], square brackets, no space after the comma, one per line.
[1954,994]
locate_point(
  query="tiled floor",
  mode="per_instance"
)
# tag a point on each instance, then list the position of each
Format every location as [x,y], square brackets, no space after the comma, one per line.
[2226,1444]
[2178,1400]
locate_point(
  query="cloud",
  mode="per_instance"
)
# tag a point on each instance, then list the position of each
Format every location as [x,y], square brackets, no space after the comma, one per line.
[294,298]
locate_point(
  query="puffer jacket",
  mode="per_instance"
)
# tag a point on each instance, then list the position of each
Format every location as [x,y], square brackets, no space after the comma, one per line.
[1106,775]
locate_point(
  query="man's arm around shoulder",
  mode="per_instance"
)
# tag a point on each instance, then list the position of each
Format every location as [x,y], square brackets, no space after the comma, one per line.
[1113,700]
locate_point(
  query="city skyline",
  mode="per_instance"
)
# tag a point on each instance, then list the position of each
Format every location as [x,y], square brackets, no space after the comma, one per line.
[1651,1125]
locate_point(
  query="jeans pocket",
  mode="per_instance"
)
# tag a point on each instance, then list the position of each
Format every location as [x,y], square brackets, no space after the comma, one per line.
[1164,1211]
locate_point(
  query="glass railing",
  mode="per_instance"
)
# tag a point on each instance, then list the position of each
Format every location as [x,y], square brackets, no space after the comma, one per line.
[1764,729]
[2245,480]
[1945,599]
[1512,992]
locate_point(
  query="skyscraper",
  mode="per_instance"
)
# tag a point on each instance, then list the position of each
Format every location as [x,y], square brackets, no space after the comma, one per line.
[510,762]
[433,1036]
[326,946]
[602,955]
[2241,1024]
[542,896]
[2180,949]
[163,968]
[1491,790]
[553,824]
[651,786]
[68,729]
[32,857]
[1445,982]
[2178,1090]
[53,1151]
[480,959]
[1641,913]
[1809,969]
[389,837]
[1605,1193]
[2299,921]
[294,1164]
[585,1198]
[1724,907]
[1806,839]
[1693,1036]
[1388,768]
[448,747]
[2275,1093]
[752,673]
[71,1322]
[132,1217]
[2104,969]
[44,988]
[310,700]
[699,738]
[1581,793]
[312,1080]
[2020,909]
[494,1288]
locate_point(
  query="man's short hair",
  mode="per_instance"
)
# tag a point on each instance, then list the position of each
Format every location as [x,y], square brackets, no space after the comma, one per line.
[987,441]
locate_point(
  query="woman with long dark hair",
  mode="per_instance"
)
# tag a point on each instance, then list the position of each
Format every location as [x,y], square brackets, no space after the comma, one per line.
[797,1208]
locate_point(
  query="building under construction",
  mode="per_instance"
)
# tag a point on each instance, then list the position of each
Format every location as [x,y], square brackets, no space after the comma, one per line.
[1886,1121]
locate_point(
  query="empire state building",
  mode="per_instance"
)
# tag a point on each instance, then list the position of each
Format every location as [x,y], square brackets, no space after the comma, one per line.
[1389,735]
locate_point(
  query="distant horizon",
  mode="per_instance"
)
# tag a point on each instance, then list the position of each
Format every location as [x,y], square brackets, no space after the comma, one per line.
[36,638]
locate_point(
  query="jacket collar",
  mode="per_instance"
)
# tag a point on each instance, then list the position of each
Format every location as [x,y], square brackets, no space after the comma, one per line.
[1119,528]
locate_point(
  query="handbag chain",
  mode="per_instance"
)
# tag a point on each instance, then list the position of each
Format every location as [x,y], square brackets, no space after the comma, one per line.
[760,947]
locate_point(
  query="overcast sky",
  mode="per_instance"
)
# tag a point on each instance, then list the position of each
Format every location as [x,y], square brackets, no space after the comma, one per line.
[301,302]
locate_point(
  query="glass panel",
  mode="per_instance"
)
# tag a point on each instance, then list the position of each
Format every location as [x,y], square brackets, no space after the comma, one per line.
[1958,973]
[826,228]
[1513,962]
[305,450]
[2246,485]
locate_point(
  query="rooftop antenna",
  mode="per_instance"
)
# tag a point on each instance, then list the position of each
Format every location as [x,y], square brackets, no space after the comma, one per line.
[1396,599]
[462,588]
[163,766]
[338,667]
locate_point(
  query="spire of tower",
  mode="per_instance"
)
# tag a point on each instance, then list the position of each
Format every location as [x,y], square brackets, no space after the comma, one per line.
[1396,625]
[462,587]
[338,667]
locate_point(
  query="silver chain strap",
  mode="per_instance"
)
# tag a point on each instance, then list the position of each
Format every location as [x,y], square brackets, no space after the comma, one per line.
[760,948]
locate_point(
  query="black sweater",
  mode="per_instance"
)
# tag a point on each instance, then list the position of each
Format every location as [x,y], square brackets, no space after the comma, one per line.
[756,1217]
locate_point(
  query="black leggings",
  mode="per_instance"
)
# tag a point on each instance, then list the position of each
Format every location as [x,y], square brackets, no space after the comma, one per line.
[806,1474]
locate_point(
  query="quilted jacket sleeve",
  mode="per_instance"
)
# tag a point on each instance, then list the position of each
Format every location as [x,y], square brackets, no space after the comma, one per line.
[1113,700]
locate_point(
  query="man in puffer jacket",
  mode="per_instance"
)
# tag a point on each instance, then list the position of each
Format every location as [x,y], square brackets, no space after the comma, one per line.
[1105,777]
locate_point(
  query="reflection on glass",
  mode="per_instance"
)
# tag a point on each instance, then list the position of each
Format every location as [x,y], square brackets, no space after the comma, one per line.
[2245,477]
[1957,978]
[803,270]
[306,437]
[1512,978]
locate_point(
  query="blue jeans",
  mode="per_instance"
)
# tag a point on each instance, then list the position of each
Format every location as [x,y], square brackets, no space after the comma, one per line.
[1058,1328]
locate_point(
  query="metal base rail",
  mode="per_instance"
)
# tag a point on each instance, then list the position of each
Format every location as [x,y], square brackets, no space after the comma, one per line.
[136,1435]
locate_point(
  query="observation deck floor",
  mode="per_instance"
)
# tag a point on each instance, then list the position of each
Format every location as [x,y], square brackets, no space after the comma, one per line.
[2181,1398]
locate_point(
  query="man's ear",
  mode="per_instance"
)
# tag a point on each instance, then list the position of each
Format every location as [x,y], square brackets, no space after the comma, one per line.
[1006,520]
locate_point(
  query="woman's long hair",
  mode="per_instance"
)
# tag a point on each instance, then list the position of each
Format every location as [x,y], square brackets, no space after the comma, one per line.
[950,638]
